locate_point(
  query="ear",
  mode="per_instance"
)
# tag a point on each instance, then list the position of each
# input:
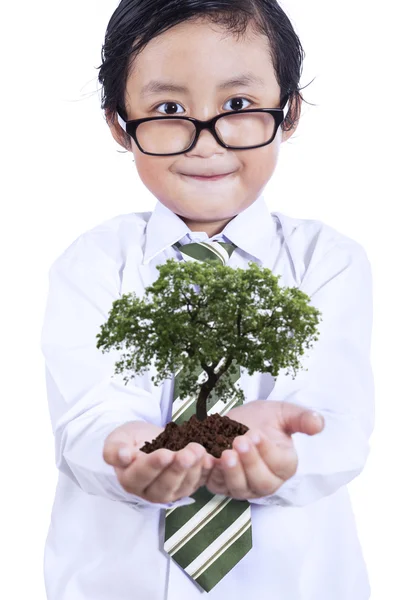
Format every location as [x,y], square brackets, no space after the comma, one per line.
[293,116]
[117,132]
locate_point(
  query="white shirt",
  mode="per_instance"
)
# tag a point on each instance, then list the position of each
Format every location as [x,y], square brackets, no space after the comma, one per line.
[106,544]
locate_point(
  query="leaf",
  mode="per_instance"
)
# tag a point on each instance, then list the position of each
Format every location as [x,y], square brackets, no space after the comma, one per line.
[204,313]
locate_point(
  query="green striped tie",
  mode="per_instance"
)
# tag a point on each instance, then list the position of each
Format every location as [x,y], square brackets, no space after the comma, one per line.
[207,538]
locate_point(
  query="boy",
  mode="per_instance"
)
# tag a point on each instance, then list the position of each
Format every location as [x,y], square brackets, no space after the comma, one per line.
[107,533]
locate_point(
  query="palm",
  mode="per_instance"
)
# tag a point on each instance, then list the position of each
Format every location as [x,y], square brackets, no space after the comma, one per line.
[263,469]
[277,420]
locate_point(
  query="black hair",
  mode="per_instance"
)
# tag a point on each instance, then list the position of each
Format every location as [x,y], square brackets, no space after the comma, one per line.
[135,22]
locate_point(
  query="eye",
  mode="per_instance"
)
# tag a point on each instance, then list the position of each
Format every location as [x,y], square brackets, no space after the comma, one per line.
[237,102]
[172,106]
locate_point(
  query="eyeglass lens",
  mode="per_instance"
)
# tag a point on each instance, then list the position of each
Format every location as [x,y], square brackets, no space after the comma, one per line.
[176,135]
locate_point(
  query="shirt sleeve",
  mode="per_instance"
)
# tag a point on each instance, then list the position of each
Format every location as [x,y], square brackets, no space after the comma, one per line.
[338,382]
[86,399]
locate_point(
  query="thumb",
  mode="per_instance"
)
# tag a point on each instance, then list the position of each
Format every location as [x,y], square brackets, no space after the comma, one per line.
[119,449]
[299,419]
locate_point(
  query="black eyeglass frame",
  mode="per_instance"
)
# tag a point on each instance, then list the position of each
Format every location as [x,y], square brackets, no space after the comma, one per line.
[279,115]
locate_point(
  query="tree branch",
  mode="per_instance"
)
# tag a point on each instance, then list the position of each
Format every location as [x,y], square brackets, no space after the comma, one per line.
[200,303]
[269,323]
[201,322]
[239,320]
[193,314]
[187,304]
[225,367]
[209,370]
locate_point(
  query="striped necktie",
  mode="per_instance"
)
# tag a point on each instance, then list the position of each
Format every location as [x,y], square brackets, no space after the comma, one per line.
[207,538]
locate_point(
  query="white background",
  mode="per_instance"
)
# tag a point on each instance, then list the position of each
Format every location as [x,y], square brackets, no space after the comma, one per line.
[62,174]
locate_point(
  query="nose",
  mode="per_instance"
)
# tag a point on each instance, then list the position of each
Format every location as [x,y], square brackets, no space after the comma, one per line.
[206,145]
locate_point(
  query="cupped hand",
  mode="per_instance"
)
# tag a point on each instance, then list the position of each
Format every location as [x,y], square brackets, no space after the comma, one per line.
[264,457]
[162,476]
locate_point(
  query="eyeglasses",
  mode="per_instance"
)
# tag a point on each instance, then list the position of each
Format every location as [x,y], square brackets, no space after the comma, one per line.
[172,135]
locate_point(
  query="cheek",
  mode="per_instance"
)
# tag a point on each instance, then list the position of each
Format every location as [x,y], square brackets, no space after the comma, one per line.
[151,169]
[256,168]
[259,164]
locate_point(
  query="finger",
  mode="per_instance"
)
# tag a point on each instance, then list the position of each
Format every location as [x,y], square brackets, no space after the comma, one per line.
[208,462]
[191,482]
[216,481]
[119,449]
[280,459]
[164,487]
[235,477]
[144,470]
[259,480]
[296,418]
[207,467]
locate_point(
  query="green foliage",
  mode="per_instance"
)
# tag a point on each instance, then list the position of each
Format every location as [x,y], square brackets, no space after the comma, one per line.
[207,313]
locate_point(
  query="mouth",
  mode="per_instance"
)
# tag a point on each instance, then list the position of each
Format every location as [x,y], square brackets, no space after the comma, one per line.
[207,178]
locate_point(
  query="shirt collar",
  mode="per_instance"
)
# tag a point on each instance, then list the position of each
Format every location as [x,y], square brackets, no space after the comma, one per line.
[251,230]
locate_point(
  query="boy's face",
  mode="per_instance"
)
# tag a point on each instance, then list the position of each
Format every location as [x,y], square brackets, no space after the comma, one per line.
[200,56]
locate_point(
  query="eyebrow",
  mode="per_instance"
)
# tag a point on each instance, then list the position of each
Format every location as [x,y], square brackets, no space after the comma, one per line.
[156,87]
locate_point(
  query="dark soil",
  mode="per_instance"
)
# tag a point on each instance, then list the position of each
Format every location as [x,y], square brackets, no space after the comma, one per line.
[216,434]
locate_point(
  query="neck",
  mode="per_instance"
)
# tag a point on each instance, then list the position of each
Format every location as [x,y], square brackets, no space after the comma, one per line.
[209,228]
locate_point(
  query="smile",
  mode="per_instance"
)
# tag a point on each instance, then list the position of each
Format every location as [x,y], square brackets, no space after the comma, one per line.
[204,179]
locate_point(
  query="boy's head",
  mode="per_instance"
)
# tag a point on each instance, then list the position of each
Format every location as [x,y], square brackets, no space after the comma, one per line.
[199,46]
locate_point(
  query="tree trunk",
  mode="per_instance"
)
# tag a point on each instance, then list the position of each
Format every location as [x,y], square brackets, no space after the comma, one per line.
[201,404]
[207,388]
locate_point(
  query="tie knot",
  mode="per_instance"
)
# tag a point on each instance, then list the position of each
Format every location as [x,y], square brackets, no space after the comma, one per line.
[202,251]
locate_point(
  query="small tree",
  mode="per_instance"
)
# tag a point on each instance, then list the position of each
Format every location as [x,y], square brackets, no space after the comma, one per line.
[212,315]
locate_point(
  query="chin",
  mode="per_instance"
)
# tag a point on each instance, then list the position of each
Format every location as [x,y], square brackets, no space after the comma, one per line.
[210,216]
